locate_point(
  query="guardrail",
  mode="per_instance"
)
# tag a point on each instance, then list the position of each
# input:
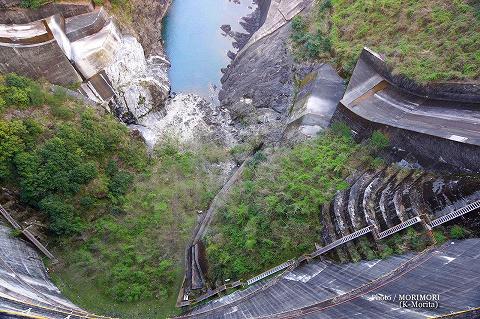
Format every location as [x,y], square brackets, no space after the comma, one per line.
[399,227]
[342,240]
[27,234]
[9,218]
[270,272]
[455,214]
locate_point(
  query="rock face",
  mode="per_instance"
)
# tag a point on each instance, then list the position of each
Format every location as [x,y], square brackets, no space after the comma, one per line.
[258,86]
[141,84]
[187,118]
[148,16]
[139,73]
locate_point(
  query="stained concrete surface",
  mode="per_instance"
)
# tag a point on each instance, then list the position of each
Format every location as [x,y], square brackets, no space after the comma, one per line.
[451,271]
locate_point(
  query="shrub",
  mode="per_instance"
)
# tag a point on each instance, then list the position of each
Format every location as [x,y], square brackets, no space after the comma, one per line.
[367,251]
[61,214]
[458,232]
[379,140]
[12,135]
[386,252]
[17,97]
[120,183]
[439,236]
[32,4]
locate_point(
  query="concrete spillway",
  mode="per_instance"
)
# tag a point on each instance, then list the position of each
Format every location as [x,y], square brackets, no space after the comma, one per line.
[63,50]
[437,123]
[25,286]
[321,289]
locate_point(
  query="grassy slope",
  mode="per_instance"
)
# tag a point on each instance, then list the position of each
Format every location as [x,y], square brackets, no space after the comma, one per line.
[426,40]
[124,254]
[118,218]
[272,215]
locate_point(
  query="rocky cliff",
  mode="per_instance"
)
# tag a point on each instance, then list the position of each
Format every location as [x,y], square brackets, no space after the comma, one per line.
[140,71]
[258,86]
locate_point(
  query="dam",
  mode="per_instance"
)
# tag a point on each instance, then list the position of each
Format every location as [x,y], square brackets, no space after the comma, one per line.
[336,279]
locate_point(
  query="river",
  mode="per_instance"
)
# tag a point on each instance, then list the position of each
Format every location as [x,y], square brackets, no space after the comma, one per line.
[196,46]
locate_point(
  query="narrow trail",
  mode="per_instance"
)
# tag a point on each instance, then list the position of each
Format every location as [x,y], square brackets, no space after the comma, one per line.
[216,203]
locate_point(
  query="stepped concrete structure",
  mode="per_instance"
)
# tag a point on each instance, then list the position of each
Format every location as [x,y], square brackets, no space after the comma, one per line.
[64,51]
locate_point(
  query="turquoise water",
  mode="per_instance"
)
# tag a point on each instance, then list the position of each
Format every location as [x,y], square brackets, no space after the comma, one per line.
[194,42]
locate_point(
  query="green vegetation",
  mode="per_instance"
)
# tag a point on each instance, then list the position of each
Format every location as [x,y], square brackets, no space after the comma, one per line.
[118,217]
[142,245]
[404,241]
[33,4]
[440,237]
[424,40]
[55,149]
[273,215]
[458,232]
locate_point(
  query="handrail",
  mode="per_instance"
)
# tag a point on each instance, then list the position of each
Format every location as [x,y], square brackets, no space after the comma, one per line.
[399,227]
[455,214]
[270,272]
[27,234]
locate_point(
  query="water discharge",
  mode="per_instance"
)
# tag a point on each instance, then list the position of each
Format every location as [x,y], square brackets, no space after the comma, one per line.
[195,44]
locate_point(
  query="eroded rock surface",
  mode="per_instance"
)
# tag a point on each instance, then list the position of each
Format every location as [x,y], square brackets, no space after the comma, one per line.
[141,84]
[258,86]
[188,118]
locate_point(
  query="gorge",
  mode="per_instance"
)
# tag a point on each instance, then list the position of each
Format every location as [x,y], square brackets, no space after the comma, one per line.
[238,158]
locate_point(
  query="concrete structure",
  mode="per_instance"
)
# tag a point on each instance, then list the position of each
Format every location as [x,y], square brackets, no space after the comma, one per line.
[375,97]
[279,13]
[320,289]
[63,51]
[438,123]
[11,11]
[25,287]
[317,99]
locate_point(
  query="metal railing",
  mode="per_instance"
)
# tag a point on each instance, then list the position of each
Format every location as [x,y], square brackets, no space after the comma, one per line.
[399,227]
[270,272]
[27,234]
[342,240]
[455,214]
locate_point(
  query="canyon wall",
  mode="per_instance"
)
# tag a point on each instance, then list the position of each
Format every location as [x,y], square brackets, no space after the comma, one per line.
[258,86]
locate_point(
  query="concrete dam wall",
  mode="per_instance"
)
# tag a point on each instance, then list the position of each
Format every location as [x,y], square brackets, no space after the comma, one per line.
[439,124]
[369,289]
[12,13]
[63,50]
[25,287]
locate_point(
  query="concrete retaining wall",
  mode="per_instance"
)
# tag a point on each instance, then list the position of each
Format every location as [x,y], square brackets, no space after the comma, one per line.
[10,13]
[45,60]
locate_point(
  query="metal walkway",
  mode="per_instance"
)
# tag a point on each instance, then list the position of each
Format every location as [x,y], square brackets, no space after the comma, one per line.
[399,227]
[455,214]
[342,241]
